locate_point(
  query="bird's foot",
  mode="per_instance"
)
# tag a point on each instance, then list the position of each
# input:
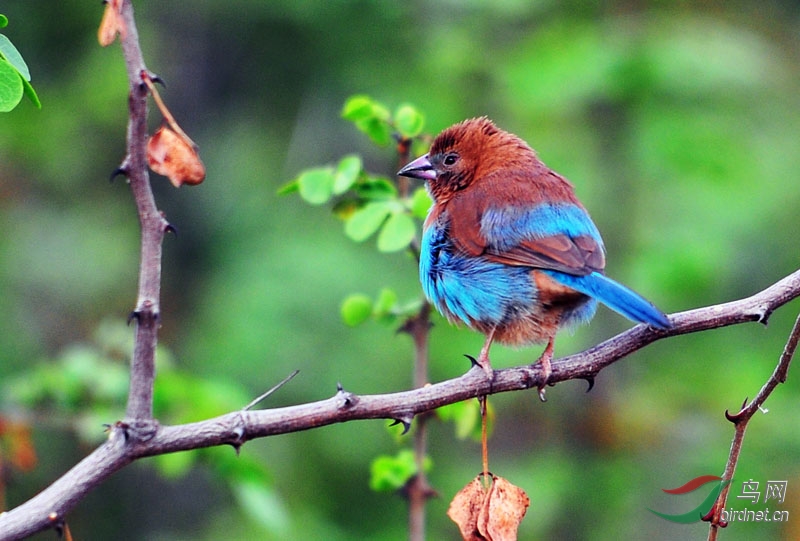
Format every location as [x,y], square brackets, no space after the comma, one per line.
[483,362]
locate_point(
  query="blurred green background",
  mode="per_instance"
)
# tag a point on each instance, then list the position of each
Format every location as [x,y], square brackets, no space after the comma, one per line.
[678,123]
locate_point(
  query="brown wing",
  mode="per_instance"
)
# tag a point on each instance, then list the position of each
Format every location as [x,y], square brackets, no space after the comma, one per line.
[579,255]
[573,255]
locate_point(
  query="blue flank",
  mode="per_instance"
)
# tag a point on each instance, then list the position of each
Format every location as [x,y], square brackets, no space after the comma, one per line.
[476,290]
[614,295]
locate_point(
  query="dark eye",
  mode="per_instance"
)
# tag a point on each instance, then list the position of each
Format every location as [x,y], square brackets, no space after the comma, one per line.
[450,159]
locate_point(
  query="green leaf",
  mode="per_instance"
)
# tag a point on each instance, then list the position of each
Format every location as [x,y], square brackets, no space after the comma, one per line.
[380,111]
[420,203]
[356,309]
[316,185]
[385,303]
[377,130]
[397,233]
[31,94]
[408,120]
[11,54]
[357,107]
[393,472]
[289,187]
[3,21]
[346,173]
[366,220]
[376,188]
[11,87]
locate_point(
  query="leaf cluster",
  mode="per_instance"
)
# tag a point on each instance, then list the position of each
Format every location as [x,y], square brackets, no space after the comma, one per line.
[369,203]
[15,76]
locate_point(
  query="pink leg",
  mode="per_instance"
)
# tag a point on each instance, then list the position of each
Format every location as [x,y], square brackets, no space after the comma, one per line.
[483,358]
[544,359]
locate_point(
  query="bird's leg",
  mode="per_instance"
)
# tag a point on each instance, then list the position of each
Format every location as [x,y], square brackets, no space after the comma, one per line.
[483,358]
[544,359]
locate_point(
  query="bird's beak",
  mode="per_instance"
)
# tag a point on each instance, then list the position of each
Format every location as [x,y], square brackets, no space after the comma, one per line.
[420,168]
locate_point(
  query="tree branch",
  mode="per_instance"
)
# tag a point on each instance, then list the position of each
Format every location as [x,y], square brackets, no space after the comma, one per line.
[153,225]
[740,421]
[49,507]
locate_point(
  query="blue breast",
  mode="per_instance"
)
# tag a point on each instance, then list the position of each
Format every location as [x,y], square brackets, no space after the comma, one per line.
[471,289]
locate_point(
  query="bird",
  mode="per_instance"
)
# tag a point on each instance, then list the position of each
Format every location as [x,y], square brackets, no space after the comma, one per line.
[507,248]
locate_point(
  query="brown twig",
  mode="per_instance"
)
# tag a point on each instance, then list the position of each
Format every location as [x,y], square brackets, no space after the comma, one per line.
[418,490]
[237,427]
[274,388]
[740,421]
[139,411]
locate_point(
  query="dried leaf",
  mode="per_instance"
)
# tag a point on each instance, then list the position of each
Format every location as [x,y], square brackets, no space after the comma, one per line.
[171,155]
[16,436]
[489,515]
[465,508]
[111,24]
[503,510]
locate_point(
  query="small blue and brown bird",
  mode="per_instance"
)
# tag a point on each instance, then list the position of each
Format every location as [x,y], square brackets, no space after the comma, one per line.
[507,248]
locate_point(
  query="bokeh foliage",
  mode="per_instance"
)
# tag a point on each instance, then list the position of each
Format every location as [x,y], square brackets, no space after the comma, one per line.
[676,121]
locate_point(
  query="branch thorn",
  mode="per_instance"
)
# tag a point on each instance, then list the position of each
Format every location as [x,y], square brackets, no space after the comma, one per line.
[347,398]
[157,79]
[472,360]
[405,420]
[121,170]
[735,418]
[590,381]
[763,315]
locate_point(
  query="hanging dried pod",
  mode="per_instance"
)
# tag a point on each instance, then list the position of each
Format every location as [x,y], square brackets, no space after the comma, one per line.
[491,514]
[171,155]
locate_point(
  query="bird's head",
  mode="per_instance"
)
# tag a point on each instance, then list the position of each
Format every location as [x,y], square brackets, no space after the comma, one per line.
[465,152]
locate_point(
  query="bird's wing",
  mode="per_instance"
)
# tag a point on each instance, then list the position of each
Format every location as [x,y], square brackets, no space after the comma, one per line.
[516,221]
[573,255]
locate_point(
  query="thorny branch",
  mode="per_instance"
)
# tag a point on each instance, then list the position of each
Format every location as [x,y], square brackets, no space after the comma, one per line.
[235,428]
[146,315]
[740,421]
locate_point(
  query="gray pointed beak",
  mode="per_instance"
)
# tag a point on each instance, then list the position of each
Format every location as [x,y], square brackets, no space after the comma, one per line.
[420,168]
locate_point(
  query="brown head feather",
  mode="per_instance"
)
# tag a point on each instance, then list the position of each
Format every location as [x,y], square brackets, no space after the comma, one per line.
[474,149]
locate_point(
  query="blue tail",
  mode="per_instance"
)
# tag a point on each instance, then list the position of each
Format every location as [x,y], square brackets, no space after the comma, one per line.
[616,296]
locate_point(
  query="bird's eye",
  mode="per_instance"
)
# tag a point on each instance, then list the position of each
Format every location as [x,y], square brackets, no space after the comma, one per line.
[450,159]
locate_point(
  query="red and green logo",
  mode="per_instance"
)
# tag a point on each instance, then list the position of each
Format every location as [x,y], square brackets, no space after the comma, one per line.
[701,510]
